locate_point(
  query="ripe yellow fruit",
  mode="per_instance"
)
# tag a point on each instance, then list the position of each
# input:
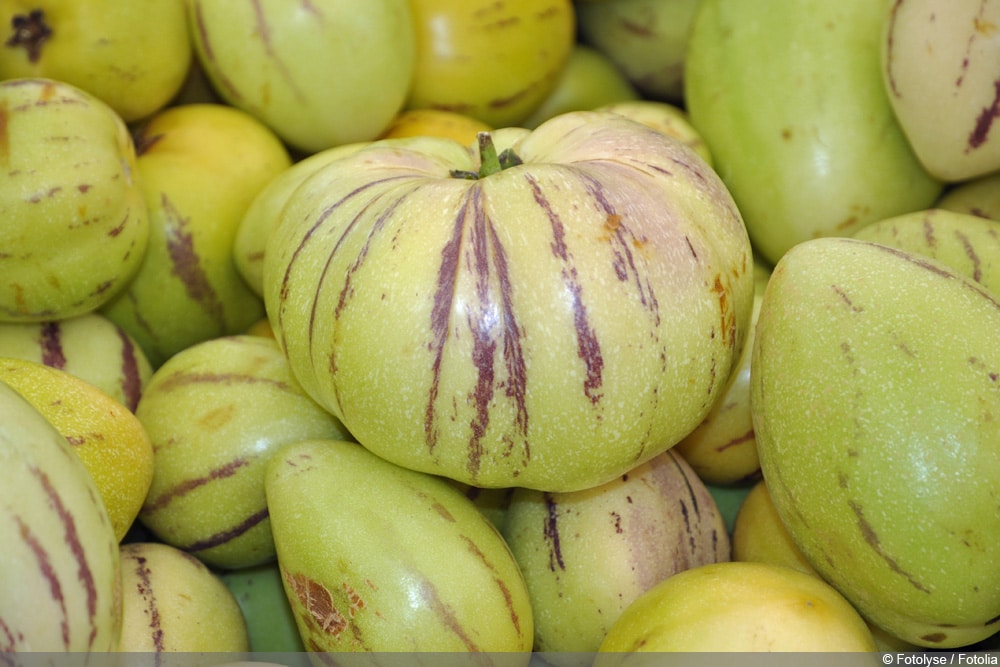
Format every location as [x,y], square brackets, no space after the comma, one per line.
[738,606]
[436,123]
[760,536]
[106,435]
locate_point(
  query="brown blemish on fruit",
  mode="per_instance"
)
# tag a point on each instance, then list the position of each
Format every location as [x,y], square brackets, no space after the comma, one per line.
[871,537]
[934,637]
[215,419]
[498,580]
[749,436]
[846,299]
[50,340]
[177,380]
[131,382]
[30,32]
[318,601]
[205,41]
[145,589]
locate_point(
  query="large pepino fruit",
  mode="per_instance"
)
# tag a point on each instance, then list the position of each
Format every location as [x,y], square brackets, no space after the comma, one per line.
[547,318]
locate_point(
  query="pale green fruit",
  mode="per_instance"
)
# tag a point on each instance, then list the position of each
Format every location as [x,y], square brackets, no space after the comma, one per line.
[875,403]
[586,555]
[940,60]
[647,39]
[90,346]
[75,225]
[550,325]
[261,595]
[132,55]
[376,557]
[967,244]
[200,165]
[59,565]
[978,196]
[320,74]
[216,412]
[589,79]
[789,97]
[263,213]
[172,602]
[737,607]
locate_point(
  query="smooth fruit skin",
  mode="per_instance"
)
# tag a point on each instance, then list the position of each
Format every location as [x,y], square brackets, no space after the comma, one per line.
[977,196]
[105,435]
[668,118]
[939,61]
[586,555]
[320,74]
[435,123]
[379,558]
[789,97]
[874,398]
[549,326]
[741,607]
[59,579]
[494,61]
[589,80]
[261,595]
[215,413]
[172,602]
[90,346]
[200,166]
[75,223]
[646,39]
[759,536]
[133,56]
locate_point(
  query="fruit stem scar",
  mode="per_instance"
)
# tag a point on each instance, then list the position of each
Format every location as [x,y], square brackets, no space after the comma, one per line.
[31,32]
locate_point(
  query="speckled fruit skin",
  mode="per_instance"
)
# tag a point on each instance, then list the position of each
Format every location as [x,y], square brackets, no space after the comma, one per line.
[549,326]
[586,555]
[200,166]
[215,413]
[494,61]
[874,398]
[789,97]
[375,557]
[75,225]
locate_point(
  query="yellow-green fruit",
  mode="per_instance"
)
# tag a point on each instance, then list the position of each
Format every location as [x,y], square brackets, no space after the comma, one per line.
[105,435]
[741,607]
[759,536]
[133,56]
[967,244]
[722,449]
[494,61]
[320,74]
[646,39]
[200,167]
[376,557]
[874,396]
[586,555]
[978,196]
[59,580]
[90,346]
[789,97]
[589,80]
[172,602]
[75,225]
[216,412]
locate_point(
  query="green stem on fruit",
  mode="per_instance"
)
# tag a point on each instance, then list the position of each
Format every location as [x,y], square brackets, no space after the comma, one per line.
[489,161]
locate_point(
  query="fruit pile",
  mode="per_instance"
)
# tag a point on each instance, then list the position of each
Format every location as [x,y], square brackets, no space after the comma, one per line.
[556,327]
